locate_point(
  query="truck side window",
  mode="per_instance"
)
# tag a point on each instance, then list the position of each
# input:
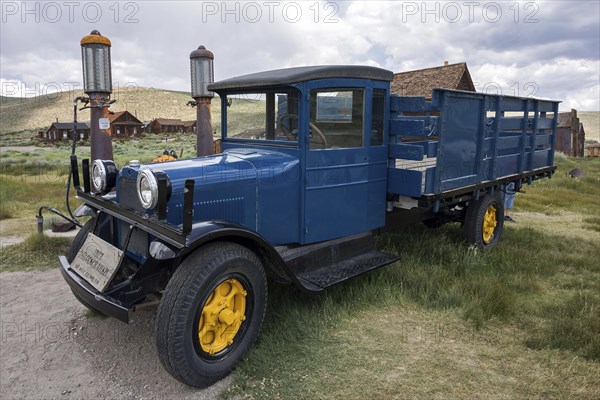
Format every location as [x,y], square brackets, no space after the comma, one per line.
[377,124]
[336,118]
[268,115]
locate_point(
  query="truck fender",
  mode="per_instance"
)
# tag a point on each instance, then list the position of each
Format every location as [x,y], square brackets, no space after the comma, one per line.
[210,231]
[84,210]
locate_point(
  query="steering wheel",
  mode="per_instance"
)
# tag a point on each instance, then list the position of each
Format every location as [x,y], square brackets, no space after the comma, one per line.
[287,132]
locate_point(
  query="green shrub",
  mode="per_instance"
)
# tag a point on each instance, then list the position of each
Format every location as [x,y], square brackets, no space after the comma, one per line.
[36,252]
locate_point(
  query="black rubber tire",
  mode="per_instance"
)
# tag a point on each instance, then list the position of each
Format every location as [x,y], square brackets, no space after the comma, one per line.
[473,223]
[187,291]
[77,243]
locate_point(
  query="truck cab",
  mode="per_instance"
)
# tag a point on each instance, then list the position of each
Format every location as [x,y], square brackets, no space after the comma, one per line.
[330,122]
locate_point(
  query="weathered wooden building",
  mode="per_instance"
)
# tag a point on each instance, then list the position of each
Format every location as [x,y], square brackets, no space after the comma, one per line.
[421,82]
[570,134]
[166,125]
[189,126]
[64,131]
[593,150]
[171,125]
[124,124]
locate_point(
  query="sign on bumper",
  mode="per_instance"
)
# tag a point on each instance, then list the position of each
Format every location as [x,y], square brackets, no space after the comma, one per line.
[97,261]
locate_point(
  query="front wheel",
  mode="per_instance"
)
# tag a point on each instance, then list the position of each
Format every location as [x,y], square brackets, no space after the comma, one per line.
[484,221]
[211,313]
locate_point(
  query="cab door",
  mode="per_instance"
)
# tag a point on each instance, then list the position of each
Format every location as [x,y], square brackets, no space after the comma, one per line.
[345,149]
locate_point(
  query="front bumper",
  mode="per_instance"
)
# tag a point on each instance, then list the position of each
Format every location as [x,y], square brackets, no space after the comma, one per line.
[89,295]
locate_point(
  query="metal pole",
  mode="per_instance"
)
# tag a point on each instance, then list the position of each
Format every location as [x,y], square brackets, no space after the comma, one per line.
[204,136]
[100,133]
[201,68]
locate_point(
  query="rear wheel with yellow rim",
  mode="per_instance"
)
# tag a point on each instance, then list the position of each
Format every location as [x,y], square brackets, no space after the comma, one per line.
[211,313]
[484,221]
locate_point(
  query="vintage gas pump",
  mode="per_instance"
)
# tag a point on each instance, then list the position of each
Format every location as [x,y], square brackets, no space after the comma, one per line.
[201,65]
[97,84]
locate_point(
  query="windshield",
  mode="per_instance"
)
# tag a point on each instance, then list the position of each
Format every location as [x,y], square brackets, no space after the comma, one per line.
[268,115]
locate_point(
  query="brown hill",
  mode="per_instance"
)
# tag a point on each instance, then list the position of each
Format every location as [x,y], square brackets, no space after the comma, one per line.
[34,113]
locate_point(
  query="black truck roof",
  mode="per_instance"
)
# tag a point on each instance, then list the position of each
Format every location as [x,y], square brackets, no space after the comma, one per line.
[289,76]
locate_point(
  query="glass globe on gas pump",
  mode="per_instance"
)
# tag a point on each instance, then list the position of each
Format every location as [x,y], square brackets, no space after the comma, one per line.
[95,54]
[97,84]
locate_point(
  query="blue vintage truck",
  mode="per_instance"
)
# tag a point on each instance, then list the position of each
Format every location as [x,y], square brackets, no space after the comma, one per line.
[315,162]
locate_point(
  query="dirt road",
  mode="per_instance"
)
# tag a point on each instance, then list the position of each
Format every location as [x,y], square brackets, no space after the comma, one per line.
[50,349]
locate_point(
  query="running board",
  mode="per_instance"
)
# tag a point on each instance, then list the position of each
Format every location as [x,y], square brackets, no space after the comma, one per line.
[320,265]
[335,273]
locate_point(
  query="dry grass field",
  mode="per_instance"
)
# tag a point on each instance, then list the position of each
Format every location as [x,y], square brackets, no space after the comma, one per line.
[445,321]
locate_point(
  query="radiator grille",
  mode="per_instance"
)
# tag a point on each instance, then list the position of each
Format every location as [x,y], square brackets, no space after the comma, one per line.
[138,242]
[128,197]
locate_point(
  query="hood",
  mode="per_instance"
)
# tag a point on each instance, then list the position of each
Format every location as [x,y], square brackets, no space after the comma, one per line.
[227,186]
[233,164]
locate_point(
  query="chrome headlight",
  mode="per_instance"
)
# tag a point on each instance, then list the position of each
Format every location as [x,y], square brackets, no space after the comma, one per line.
[147,189]
[104,175]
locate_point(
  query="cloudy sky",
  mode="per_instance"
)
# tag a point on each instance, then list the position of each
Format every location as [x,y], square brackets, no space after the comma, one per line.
[550,49]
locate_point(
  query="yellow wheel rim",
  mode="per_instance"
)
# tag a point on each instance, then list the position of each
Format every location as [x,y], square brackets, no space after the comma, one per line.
[489,224]
[222,315]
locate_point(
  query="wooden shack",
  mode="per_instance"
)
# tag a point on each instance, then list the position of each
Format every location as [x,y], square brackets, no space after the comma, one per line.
[64,131]
[124,124]
[593,150]
[189,126]
[166,125]
[421,82]
[570,134]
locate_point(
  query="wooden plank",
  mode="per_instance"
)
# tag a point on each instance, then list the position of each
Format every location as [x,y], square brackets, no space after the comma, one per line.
[509,142]
[431,149]
[411,127]
[511,123]
[429,179]
[407,104]
[405,182]
[543,139]
[545,123]
[546,106]
[491,173]
[511,104]
[416,165]
[407,151]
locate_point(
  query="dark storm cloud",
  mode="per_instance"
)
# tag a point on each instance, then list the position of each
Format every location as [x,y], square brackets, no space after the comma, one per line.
[570,28]
[557,47]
